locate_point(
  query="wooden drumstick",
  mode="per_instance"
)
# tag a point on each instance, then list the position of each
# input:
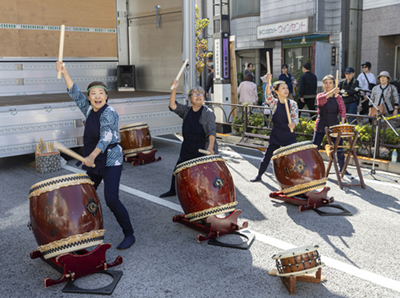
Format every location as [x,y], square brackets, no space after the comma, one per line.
[288,114]
[180,72]
[61,49]
[268,64]
[337,80]
[69,152]
[204,151]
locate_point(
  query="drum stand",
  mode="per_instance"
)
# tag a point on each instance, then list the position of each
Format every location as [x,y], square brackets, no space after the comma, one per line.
[82,263]
[331,150]
[307,201]
[215,227]
[143,158]
[290,282]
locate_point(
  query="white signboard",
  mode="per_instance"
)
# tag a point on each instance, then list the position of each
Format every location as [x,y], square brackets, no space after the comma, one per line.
[217,59]
[289,28]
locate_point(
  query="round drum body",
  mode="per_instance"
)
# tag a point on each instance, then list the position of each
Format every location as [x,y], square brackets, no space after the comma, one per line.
[299,168]
[135,138]
[298,261]
[205,187]
[65,215]
[346,129]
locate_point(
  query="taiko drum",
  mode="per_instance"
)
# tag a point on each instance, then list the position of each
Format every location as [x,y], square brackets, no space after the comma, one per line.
[205,187]
[65,215]
[135,138]
[298,261]
[346,129]
[299,168]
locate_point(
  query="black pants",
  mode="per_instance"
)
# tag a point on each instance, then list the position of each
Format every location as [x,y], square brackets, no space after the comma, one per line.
[310,102]
[111,179]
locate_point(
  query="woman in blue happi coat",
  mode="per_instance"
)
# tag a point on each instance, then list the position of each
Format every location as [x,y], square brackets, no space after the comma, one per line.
[100,147]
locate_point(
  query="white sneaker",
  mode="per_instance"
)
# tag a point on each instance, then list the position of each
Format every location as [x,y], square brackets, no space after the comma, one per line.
[348,176]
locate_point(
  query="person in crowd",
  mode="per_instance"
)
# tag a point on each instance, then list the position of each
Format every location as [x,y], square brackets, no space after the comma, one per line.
[198,128]
[210,84]
[367,81]
[247,91]
[307,88]
[100,147]
[349,94]
[288,79]
[249,70]
[385,94]
[280,134]
[330,106]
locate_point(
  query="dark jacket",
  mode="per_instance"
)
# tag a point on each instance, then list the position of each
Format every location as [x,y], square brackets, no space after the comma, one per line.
[349,87]
[308,85]
[210,84]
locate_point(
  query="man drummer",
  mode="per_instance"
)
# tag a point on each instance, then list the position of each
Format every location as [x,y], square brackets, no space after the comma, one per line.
[198,128]
[100,147]
[281,134]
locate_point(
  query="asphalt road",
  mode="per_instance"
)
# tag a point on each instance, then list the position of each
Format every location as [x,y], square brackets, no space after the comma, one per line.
[361,252]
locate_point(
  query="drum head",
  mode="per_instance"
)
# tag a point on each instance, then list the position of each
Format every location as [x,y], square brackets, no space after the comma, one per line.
[286,150]
[134,126]
[197,161]
[295,252]
[58,182]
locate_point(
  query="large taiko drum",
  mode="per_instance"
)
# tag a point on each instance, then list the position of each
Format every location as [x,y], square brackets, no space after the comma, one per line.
[65,215]
[205,187]
[299,168]
[298,261]
[135,138]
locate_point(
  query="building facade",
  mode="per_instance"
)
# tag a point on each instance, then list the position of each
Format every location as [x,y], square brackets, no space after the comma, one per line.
[295,32]
[381,36]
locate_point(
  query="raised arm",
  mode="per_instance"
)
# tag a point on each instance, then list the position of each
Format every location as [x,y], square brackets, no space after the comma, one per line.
[68,81]
[172,97]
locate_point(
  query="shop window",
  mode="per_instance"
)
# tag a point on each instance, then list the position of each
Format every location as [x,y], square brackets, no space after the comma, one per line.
[295,59]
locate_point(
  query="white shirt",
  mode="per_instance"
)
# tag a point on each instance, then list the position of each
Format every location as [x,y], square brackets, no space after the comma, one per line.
[363,81]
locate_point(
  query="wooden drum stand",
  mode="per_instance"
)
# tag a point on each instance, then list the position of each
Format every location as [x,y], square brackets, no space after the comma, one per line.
[331,150]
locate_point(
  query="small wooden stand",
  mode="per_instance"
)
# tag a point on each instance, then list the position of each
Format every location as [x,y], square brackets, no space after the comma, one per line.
[290,282]
[309,200]
[77,264]
[213,226]
[333,160]
[143,158]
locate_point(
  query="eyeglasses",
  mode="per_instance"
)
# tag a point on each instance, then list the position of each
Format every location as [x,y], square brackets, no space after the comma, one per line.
[198,94]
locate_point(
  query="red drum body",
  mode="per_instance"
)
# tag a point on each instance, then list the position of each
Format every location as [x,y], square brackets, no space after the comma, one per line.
[65,215]
[205,187]
[298,261]
[299,168]
[135,138]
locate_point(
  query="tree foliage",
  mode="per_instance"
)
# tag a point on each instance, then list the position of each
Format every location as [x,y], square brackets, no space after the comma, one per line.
[201,43]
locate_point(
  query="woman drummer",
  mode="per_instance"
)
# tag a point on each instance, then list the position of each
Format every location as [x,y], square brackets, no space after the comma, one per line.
[330,105]
[280,134]
[198,128]
[100,147]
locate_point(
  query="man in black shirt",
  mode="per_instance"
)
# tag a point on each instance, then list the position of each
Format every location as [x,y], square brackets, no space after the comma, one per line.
[307,88]
[348,92]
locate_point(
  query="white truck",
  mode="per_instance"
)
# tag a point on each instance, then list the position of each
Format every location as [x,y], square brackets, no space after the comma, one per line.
[100,38]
